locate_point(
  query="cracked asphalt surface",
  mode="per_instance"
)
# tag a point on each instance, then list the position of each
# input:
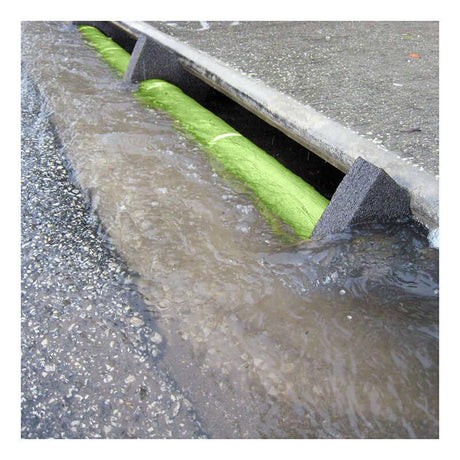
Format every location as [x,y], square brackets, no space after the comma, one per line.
[89,356]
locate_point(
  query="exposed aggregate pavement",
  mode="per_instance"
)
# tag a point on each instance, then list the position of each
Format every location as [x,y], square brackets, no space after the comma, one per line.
[89,354]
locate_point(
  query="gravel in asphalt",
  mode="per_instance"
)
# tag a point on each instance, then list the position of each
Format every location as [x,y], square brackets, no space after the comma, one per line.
[89,355]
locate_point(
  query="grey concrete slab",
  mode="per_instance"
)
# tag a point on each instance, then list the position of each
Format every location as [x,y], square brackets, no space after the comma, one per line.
[360,74]
[335,104]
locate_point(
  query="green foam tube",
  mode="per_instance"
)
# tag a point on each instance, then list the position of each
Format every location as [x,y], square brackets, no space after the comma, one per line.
[113,53]
[285,194]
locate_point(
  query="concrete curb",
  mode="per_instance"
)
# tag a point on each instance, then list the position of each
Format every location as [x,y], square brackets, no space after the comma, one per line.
[158,55]
[323,136]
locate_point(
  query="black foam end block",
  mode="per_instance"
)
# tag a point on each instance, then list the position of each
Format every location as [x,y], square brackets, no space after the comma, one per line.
[150,59]
[367,194]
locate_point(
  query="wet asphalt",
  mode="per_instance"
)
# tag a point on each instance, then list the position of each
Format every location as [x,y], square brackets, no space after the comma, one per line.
[90,357]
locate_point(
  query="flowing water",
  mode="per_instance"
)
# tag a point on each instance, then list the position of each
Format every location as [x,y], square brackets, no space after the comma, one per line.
[330,338]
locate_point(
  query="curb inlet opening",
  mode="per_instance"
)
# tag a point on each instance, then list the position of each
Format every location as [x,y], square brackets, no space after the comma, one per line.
[291,181]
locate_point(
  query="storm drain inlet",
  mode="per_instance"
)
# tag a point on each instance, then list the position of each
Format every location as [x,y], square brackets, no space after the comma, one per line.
[285,194]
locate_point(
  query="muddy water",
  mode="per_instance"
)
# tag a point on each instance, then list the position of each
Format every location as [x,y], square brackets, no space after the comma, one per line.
[331,338]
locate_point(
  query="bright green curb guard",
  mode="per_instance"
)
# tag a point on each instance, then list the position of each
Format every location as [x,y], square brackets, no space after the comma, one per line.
[284,193]
[113,53]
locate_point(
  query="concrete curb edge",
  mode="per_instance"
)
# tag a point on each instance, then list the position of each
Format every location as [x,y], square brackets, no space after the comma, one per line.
[325,137]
